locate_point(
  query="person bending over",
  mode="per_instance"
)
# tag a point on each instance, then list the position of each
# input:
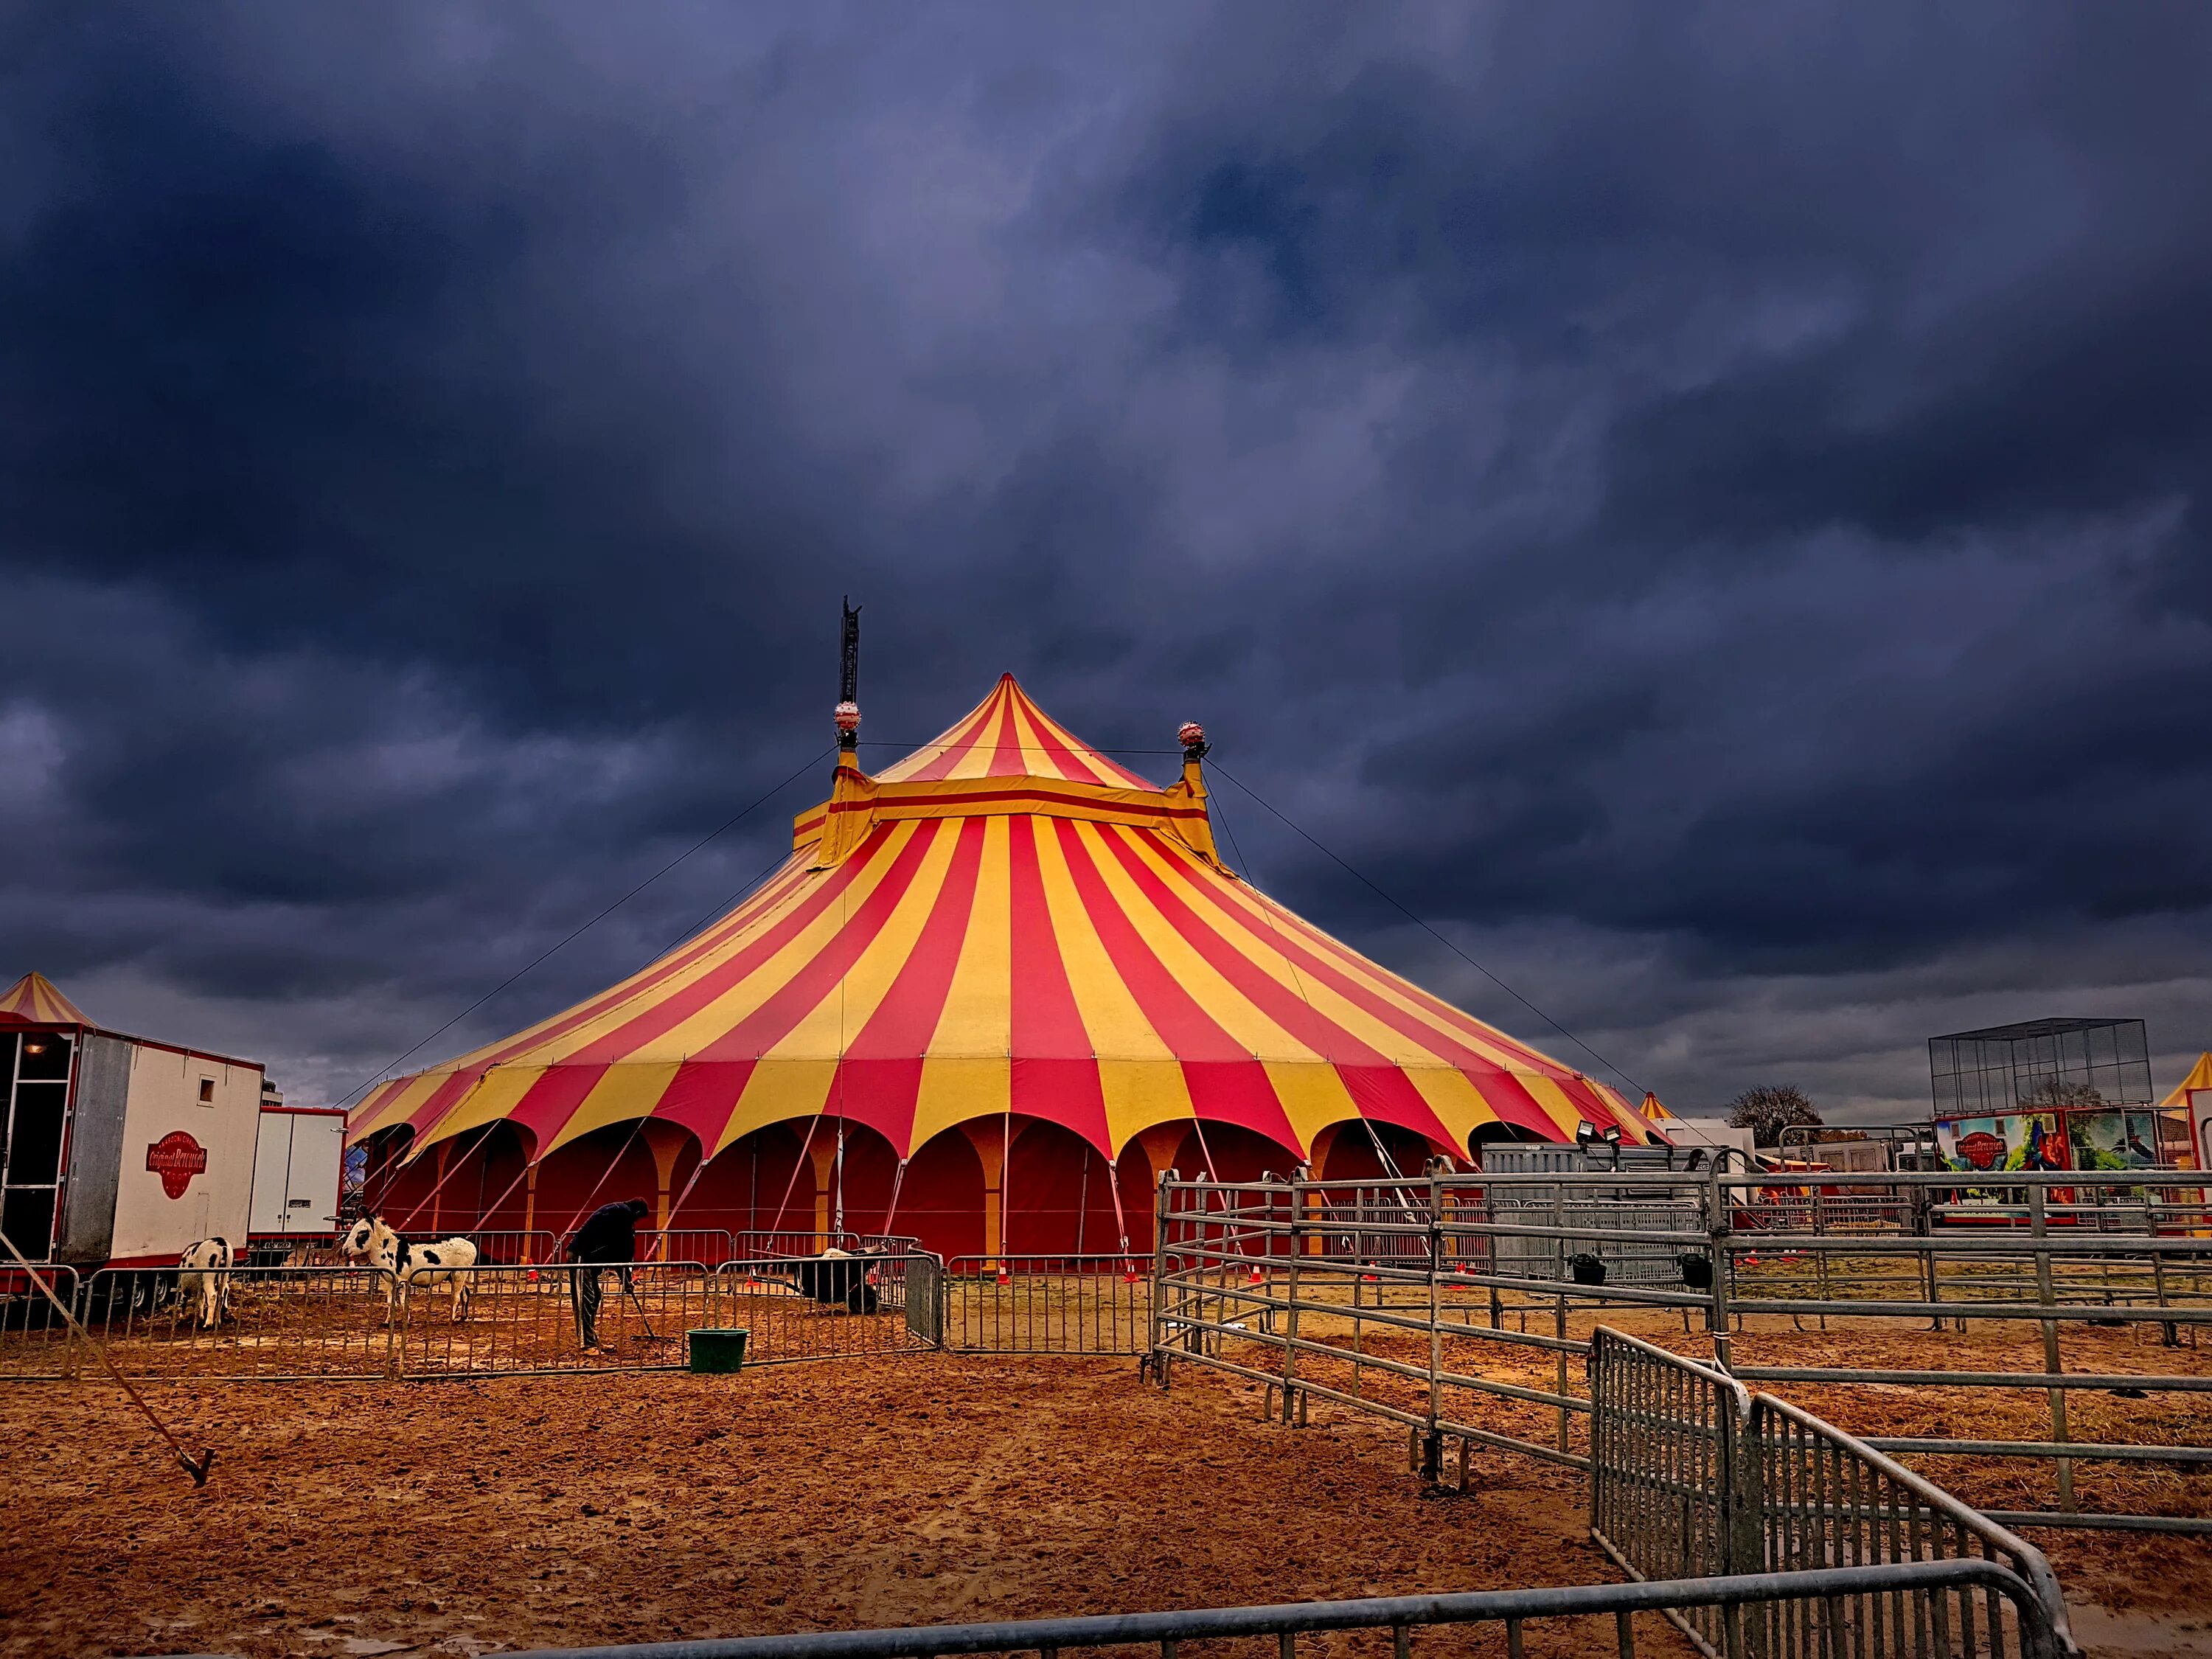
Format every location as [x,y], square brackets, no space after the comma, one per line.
[607,1239]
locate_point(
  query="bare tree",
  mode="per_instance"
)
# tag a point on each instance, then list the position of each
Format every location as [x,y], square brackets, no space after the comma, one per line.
[1769,1110]
[2063,1092]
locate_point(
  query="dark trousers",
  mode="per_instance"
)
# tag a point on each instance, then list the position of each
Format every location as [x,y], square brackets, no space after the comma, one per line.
[585,1291]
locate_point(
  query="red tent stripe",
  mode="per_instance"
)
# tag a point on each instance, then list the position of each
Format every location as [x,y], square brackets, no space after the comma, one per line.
[702,1095]
[1075,758]
[1093,760]
[1070,764]
[880,1075]
[1055,1075]
[446,1097]
[1225,1080]
[657,1018]
[553,1098]
[1007,760]
[956,744]
[1478,1068]
[1279,1002]
[771,1023]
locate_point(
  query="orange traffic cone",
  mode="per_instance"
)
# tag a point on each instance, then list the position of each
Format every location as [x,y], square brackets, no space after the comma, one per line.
[1258,1278]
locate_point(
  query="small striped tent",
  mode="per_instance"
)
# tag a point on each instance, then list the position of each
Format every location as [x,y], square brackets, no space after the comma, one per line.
[996,989]
[35,999]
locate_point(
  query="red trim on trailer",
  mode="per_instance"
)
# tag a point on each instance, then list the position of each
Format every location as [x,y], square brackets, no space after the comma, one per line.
[144,1042]
[189,1053]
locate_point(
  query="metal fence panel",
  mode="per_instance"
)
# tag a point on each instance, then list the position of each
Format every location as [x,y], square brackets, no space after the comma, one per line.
[523,1321]
[925,1299]
[1667,1494]
[36,1344]
[1691,1475]
[1063,1304]
[513,1247]
[823,1308]
[1579,1617]
[272,1324]
[1828,1500]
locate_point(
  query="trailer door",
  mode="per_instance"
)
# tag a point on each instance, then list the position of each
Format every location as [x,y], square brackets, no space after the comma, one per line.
[318,1159]
[272,1168]
[296,1163]
[35,1082]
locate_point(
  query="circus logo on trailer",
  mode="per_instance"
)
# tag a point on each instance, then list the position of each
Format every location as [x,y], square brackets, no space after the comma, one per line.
[1981,1149]
[176,1157]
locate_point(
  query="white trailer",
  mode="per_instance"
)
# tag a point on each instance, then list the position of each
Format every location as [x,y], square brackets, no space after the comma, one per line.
[120,1150]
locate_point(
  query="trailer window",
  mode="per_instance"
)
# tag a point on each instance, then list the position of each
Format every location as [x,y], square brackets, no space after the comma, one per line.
[45,1057]
[207,1092]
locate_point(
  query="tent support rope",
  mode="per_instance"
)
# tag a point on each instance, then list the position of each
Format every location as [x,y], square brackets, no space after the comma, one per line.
[452,1168]
[898,1180]
[636,1129]
[805,1146]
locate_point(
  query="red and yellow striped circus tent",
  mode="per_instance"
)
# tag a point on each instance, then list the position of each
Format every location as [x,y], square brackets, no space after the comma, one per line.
[35,999]
[996,989]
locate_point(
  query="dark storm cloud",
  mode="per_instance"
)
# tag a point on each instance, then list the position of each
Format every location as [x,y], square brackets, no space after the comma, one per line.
[1704,502]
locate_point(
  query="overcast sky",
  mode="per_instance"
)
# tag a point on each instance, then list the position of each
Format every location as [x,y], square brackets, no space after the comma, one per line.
[1704,504]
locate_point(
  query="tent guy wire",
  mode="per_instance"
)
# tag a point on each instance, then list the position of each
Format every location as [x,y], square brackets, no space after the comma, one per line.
[811,761]
[1416,921]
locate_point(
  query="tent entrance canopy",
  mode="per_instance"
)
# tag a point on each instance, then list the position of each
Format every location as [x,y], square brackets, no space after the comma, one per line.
[1007,923]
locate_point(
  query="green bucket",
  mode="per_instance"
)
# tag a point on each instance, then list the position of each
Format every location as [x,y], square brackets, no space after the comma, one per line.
[715,1352]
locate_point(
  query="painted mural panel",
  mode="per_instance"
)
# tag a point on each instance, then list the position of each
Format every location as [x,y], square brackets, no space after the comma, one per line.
[2025,1140]
[2113,1141]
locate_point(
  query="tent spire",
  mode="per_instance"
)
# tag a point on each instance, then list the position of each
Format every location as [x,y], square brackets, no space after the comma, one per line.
[1197,832]
[848,681]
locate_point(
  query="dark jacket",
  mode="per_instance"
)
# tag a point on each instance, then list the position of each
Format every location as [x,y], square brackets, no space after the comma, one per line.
[610,1235]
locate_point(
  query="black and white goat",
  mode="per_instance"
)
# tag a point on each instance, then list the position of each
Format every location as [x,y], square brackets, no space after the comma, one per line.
[204,1277]
[408,1267]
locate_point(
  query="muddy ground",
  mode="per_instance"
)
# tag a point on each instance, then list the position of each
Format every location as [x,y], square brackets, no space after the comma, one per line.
[464,1518]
